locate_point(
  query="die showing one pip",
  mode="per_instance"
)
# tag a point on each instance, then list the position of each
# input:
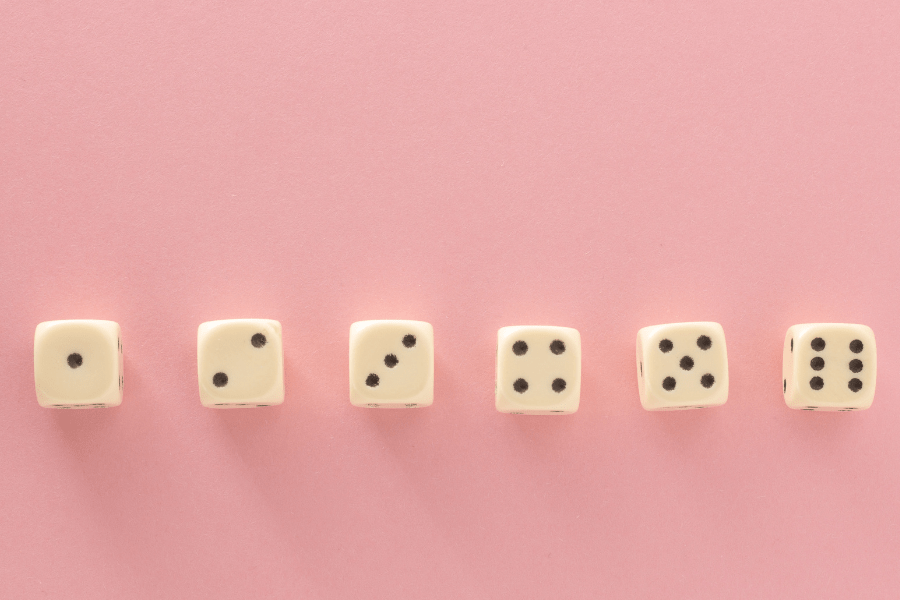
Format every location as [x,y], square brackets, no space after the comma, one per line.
[391,364]
[538,370]
[829,366]
[78,364]
[240,363]
[682,366]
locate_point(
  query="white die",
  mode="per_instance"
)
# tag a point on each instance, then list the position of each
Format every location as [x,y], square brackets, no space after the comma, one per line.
[829,366]
[391,364]
[78,364]
[682,366]
[538,370]
[240,363]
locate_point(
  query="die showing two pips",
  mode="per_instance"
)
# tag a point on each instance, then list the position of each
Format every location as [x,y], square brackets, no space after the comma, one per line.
[826,366]
[240,363]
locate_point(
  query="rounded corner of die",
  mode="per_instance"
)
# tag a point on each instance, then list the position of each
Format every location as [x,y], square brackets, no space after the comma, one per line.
[426,327]
[274,400]
[40,329]
[647,404]
[43,401]
[720,400]
[571,331]
[793,405]
[502,403]
[205,399]
[107,324]
[570,408]
[357,328]
[869,336]
[798,333]
[643,332]
[793,400]
[639,338]
[422,402]
[275,326]
[204,328]
[574,336]
[789,337]
[360,402]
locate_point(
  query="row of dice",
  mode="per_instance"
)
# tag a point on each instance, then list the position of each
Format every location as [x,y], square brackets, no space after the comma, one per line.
[827,366]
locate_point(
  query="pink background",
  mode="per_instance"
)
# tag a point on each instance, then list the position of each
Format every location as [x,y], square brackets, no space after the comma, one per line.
[473,165]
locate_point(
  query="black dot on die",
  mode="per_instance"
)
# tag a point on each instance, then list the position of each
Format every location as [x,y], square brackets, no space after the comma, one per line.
[558,385]
[74,360]
[669,384]
[666,345]
[390,361]
[816,383]
[707,380]
[687,363]
[856,365]
[258,340]
[704,343]
[785,386]
[520,385]
[818,344]
[520,348]
[409,340]
[792,344]
[856,346]
[372,380]
[557,347]
[855,385]
[817,363]
[220,379]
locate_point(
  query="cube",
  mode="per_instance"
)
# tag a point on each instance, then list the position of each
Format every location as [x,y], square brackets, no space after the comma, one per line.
[78,364]
[240,363]
[538,370]
[682,366]
[391,364]
[829,366]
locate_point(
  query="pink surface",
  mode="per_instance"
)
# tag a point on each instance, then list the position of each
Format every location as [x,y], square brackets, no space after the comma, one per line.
[475,166]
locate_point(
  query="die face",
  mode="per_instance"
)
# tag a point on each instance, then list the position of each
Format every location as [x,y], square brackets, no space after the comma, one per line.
[682,366]
[78,364]
[391,364]
[829,366]
[538,370]
[240,363]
